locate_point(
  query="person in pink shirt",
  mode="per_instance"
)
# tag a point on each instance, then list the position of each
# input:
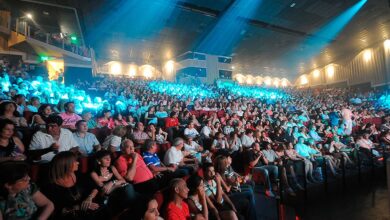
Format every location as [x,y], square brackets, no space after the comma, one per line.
[132,167]
[69,117]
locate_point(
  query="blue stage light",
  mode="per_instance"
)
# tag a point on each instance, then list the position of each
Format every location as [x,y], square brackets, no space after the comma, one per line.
[229,29]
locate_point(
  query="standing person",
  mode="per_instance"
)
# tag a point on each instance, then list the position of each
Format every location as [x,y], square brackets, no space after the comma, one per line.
[346,113]
[20,199]
[69,117]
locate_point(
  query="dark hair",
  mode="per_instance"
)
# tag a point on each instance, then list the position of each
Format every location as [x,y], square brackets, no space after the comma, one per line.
[54,119]
[79,122]
[149,144]
[98,156]
[66,105]
[12,171]
[248,131]
[4,104]
[34,98]
[193,183]
[4,122]
[205,166]
[172,114]
[42,108]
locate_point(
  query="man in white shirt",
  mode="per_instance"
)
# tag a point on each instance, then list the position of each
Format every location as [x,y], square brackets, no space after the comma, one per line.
[190,131]
[44,145]
[228,128]
[247,139]
[175,157]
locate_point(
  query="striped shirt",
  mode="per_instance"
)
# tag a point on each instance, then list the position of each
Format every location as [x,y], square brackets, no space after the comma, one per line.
[151,159]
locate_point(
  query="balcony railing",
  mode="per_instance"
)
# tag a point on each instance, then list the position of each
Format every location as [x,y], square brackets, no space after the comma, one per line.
[54,39]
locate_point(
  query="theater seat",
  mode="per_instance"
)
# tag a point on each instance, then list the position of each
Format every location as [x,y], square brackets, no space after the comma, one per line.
[84,164]
[28,116]
[34,172]
[159,196]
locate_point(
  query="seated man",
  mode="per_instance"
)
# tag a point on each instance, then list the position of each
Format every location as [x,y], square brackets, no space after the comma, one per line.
[132,167]
[87,141]
[69,117]
[220,205]
[158,169]
[139,136]
[305,151]
[256,159]
[190,131]
[247,139]
[44,145]
[364,142]
[176,158]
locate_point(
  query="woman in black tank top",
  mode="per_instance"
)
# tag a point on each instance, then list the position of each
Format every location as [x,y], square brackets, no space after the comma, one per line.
[11,148]
[113,188]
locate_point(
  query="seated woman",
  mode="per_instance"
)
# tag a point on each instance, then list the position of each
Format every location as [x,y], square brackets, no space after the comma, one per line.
[112,186]
[70,198]
[106,120]
[39,120]
[161,136]
[20,199]
[338,150]
[8,110]
[150,116]
[119,120]
[197,200]
[11,148]
[113,141]
[152,212]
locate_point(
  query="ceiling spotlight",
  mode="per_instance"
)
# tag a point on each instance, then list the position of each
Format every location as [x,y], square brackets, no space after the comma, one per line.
[316,73]
[387,44]
[233,67]
[367,55]
[29,16]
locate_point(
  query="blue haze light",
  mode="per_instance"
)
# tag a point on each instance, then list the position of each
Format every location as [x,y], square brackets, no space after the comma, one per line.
[229,29]
[324,35]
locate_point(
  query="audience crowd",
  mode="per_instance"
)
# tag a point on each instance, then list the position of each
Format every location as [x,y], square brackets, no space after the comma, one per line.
[172,150]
